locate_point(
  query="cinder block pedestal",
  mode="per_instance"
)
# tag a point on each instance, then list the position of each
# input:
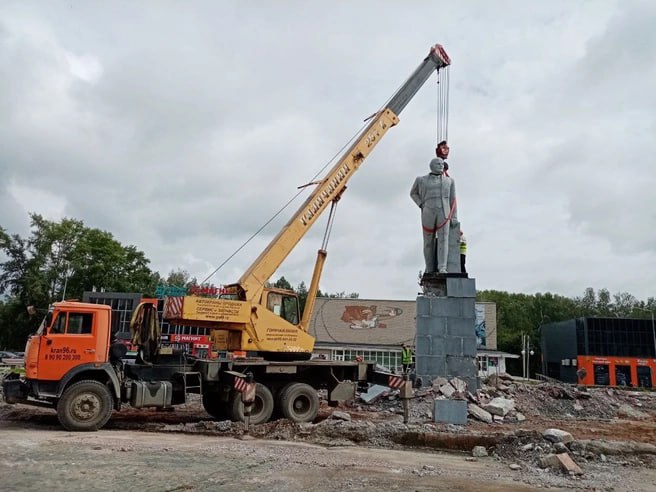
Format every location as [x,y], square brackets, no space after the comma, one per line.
[446,337]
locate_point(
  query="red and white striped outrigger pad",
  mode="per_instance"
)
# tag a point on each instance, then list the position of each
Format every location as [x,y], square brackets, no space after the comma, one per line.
[240,384]
[173,307]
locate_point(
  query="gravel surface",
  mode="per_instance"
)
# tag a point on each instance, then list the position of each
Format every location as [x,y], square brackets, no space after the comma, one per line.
[33,458]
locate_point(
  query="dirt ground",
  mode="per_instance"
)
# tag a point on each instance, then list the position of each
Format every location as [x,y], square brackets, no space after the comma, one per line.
[185,450]
[33,458]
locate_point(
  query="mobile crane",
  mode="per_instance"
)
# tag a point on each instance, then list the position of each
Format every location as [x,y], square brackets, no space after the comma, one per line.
[265,321]
[72,363]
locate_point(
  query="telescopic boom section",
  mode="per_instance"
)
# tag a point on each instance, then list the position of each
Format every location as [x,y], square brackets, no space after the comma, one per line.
[253,280]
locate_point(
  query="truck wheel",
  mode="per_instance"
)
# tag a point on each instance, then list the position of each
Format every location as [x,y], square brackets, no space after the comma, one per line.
[85,406]
[262,408]
[214,406]
[299,402]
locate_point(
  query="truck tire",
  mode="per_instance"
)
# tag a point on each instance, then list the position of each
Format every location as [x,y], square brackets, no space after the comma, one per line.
[85,406]
[262,408]
[299,402]
[214,406]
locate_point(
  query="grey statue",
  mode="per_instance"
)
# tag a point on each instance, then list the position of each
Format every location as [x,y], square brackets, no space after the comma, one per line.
[435,195]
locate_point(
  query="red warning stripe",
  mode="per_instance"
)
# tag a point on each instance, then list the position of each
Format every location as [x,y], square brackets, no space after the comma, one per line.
[240,385]
[395,382]
[173,307]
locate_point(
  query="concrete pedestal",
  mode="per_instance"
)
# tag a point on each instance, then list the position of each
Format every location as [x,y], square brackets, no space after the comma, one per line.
[446,337]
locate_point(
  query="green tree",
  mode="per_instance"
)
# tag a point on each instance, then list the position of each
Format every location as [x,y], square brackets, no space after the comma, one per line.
[62,260]
[283,283]
[603,306]
[623,304]
[180,278]
[15,324]
[588,302]
[302,293]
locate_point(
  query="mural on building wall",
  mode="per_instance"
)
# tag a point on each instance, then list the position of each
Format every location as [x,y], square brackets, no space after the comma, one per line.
[480,325]
[367,317]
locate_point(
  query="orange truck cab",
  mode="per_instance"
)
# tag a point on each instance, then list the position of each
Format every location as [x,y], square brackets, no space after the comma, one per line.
[73,337]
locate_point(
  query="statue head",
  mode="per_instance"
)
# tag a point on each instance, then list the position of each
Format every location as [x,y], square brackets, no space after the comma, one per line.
[442,150]
[437,166]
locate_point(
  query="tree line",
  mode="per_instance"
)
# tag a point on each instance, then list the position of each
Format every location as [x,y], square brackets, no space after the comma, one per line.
[63,259]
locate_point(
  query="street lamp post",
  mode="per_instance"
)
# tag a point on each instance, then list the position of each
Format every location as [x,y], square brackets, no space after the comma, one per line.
[527,351]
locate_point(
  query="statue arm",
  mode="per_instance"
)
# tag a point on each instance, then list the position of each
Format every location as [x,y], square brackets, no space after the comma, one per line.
[414,193]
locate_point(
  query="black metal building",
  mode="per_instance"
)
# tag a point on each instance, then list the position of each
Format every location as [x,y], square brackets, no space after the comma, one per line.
[600,351]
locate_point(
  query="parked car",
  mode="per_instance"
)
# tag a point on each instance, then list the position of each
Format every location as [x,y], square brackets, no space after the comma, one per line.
[5,354]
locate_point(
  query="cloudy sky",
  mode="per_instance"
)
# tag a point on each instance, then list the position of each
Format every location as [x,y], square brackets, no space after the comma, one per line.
[182,127]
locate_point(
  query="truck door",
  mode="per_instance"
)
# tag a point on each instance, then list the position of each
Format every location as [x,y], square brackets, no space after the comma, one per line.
[70,341]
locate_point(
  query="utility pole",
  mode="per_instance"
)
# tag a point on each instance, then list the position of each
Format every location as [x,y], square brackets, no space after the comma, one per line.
[526,356]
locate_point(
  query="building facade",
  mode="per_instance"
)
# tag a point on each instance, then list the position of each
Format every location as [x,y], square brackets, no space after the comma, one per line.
[375,330]
[601,351]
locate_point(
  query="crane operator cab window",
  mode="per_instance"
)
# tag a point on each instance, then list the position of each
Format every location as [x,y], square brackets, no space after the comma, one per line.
[284,306]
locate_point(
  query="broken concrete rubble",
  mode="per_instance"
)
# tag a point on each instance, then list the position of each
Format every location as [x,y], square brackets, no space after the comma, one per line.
[337,415]
[499,406]
[557,435]
[439,381]
[559,447]
[561,461]
[479,452]
[529,402]
[375,392]
[459,385]
[447,390]
[479,414]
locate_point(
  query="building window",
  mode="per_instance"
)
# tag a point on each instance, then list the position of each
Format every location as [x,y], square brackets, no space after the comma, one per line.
[388,359]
